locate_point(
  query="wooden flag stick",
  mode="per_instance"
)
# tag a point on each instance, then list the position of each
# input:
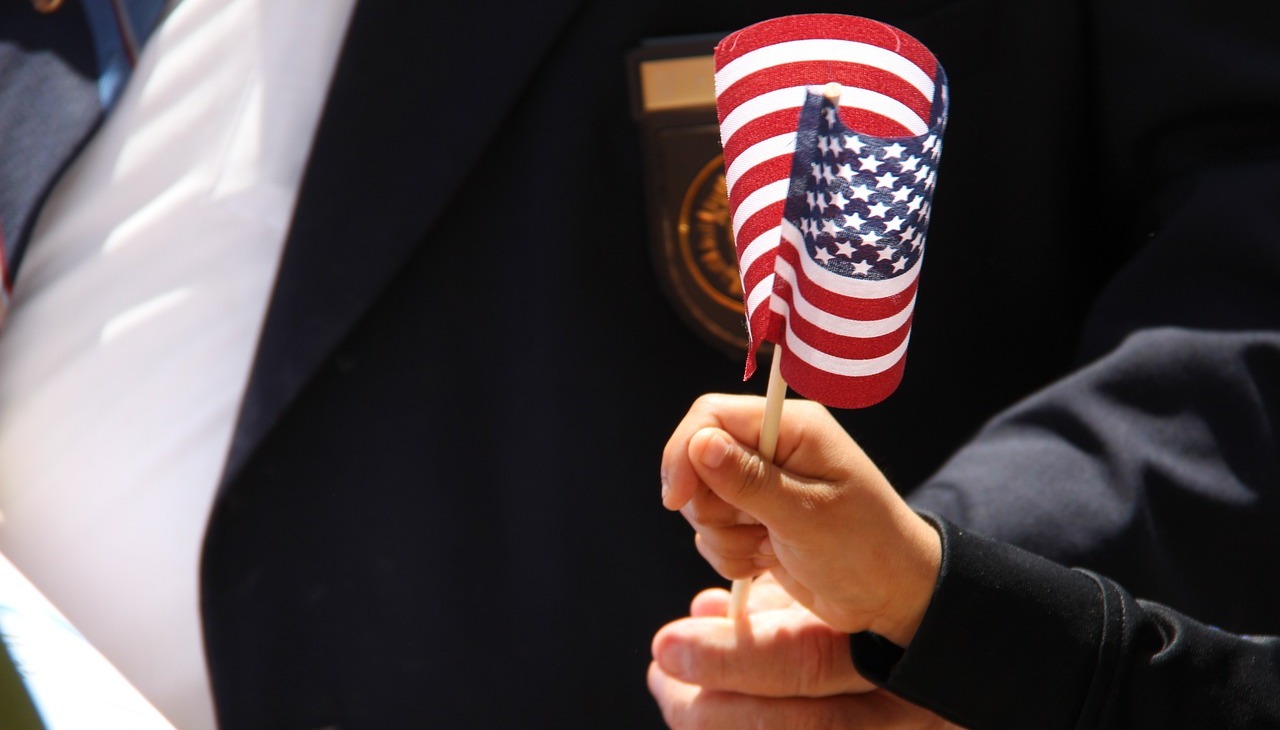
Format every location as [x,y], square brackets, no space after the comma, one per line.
[775,394]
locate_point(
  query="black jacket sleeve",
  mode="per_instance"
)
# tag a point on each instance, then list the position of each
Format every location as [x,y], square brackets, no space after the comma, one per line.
[1157,462]
[1012,640]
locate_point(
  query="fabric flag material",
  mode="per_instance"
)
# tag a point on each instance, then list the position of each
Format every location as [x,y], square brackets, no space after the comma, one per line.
[831,127]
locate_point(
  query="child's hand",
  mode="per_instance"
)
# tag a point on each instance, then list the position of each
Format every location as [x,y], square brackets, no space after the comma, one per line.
[824,520]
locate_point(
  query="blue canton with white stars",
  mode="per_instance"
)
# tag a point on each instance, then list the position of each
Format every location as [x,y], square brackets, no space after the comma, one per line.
[862,202]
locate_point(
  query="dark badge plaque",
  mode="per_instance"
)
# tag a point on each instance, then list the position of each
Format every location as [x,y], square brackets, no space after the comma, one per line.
[673,98]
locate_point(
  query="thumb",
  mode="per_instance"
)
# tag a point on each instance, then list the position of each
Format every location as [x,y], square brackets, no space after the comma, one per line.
[743,479]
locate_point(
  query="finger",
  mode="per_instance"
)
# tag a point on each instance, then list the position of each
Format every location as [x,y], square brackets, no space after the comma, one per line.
[740,415]
[685,706]
[710,602]
[740,542]
[794,500]
[739,477]
[735,561]
[788,653]
[707,508]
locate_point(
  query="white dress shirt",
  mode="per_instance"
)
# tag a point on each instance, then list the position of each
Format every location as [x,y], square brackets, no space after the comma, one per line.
[134,323]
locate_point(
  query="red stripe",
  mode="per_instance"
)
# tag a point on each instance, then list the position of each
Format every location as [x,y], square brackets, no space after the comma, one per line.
[765,172]
[845,306]
[820,25]
[838,391]
[854,308]
[849,348]
[852,75]
[761,222]
[869,123]
[783,121]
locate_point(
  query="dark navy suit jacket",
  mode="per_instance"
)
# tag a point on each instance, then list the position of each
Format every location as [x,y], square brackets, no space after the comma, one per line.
[441,505]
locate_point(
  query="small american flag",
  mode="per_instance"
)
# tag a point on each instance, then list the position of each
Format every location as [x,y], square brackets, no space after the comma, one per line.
[830,198]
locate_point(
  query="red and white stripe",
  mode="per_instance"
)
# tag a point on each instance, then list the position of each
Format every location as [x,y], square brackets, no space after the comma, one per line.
[763,74]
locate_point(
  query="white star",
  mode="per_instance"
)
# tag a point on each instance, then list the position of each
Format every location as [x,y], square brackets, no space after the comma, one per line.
[827,175]
[853,143]
[933,178]
[822,145]
[839,201]
[816,171]
[862,192]
[834,143]
[900,195]
[894,151]
[845,249]
[829,226]
[871,238]
[886,180]
[914,203]
[937,152]
[862,267]
[869,163]
[917,242]
[900,264]
[893,224]
[922,173]
[878,210]
[846,172]
[823,255]
[813,201]
[804,226]
[910,163]
[853,220]
[909,234]
[831,116]
[886,253]
[930,142]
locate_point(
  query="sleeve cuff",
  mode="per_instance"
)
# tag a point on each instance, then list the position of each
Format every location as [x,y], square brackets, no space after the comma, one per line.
[1010,640]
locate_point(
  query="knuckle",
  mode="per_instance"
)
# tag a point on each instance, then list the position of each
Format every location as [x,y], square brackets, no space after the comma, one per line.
[756,475]
[707,403]
[816,661]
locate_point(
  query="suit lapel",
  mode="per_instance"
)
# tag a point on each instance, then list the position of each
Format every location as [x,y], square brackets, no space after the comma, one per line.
[415,98]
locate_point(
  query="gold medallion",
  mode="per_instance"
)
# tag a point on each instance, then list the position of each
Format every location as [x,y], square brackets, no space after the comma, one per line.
[673,99]
[706,237]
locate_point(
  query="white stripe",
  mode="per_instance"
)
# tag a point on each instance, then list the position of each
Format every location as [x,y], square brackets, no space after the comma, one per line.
[840,365]
[764,243]
[783,144]
[793,98]
[761,292]
[844,285]
[762,198]
[859,328]
[823,49]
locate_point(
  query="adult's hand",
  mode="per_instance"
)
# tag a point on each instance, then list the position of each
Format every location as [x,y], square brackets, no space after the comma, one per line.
[823,520]
[782,668]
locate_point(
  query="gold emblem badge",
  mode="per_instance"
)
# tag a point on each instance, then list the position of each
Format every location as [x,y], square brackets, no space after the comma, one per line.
[690,227]
[705,234]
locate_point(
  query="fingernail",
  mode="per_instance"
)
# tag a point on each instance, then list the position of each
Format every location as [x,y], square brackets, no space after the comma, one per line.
[676,661]
[716,450]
